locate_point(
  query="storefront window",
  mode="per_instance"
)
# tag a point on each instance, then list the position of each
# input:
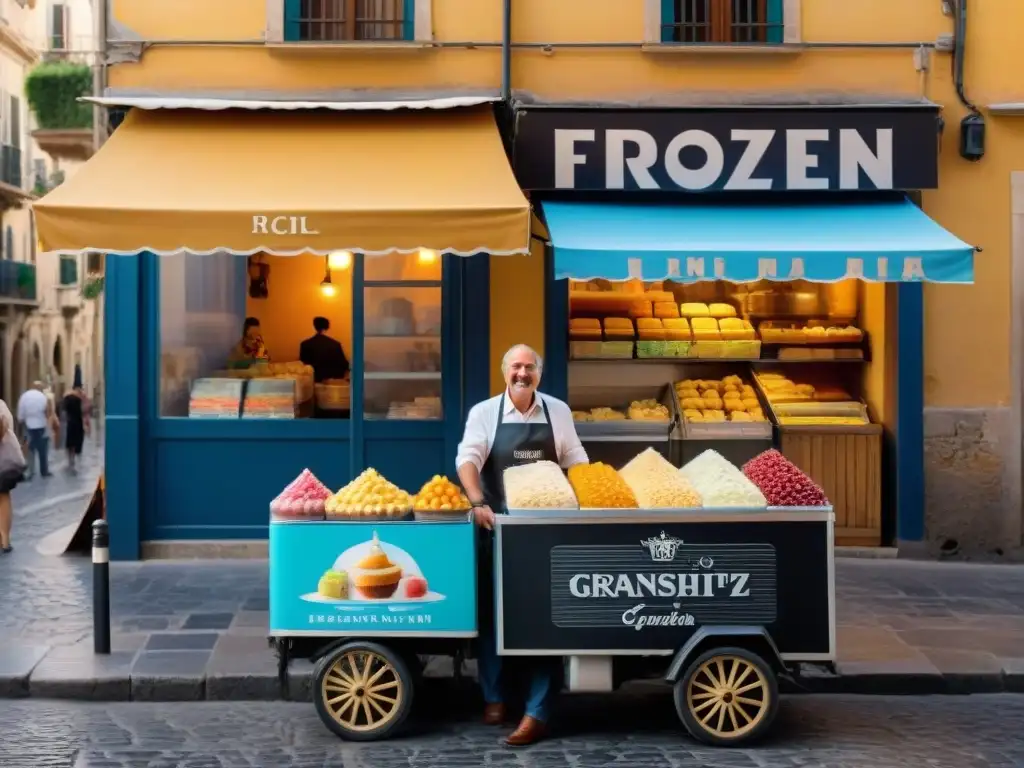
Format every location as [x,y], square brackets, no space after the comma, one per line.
[402,336]
[231,330]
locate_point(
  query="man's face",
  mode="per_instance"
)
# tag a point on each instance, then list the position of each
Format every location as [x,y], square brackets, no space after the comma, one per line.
[522,374]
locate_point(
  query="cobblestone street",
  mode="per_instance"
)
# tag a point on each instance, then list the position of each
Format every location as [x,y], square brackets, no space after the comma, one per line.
[832,732]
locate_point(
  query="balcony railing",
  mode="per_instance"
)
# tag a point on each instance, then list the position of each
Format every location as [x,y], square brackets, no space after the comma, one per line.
[17,281]
[10,165]
[68,271]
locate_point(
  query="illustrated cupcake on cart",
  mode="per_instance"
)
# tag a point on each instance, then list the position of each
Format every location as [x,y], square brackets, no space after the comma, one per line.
[374,574]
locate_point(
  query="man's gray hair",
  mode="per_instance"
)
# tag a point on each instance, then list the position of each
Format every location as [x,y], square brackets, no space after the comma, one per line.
[516,348]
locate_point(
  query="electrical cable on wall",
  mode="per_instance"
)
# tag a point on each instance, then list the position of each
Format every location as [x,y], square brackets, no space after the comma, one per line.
[972,127]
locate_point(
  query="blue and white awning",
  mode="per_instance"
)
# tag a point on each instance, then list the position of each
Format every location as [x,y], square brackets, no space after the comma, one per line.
[877,241]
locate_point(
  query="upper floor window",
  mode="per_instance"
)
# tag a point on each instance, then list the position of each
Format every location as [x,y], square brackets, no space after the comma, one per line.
[723,22]
[349,20]
[60,23]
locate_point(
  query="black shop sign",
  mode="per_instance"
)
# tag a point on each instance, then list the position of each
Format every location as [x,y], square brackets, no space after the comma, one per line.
[730,150]
[634,587]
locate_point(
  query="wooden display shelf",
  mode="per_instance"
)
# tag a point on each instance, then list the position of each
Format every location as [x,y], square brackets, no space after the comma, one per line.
[847,463]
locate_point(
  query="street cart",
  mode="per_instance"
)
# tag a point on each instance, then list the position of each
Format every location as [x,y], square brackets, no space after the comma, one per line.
[719,603]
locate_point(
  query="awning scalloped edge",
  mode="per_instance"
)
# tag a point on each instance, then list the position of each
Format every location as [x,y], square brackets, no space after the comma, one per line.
[273,252]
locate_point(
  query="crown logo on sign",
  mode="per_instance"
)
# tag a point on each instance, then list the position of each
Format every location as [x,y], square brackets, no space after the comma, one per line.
[662,548]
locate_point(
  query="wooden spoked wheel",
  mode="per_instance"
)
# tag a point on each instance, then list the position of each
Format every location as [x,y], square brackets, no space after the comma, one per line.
[727,697]
[362,691]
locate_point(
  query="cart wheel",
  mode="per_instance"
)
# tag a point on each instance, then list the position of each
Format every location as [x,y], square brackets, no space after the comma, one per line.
[363,691]
[727,697]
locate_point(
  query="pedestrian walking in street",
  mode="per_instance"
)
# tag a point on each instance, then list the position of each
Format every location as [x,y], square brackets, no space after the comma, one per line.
[37,416]
[12,471]
[76,427]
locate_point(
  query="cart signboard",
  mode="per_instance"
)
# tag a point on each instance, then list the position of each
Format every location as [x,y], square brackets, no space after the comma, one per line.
[372,579]
[592,585]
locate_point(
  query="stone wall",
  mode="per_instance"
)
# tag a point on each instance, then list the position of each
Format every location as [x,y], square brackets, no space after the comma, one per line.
[971,493]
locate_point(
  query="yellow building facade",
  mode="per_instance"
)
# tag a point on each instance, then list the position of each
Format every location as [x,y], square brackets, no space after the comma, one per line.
[613,52]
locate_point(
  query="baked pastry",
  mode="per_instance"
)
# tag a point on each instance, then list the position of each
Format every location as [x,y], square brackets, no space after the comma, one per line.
[333,584]
[375,576]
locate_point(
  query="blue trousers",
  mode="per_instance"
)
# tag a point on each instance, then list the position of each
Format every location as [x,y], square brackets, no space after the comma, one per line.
[489,664]
[39,443]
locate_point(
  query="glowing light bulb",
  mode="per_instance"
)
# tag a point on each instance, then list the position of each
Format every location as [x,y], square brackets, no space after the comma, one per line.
[427,256]
[328,289]
[339,260]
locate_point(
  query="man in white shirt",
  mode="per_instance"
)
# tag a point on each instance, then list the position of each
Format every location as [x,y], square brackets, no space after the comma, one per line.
[519,426]
[36,415]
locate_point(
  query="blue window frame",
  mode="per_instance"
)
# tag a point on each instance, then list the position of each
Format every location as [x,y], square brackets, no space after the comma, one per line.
[330,20]
[722,22]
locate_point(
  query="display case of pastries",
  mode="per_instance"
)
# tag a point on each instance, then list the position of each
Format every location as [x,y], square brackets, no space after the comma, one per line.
[215,398]
[804,400]
[723,407]
[418,409]
[808,332]
[270,399]
[643,417]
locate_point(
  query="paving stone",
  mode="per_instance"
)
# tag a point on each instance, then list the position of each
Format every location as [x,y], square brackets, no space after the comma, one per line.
[16,665]
[968,671]
[910,676]
[169,676]
[251,619]
[89,677]
[176,642]
[208,621]
[242,668]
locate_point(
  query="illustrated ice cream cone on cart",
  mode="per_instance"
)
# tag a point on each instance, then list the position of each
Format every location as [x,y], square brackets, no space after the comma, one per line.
[374,575]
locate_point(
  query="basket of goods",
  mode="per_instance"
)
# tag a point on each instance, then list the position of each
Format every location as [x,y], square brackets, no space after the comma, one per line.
[301,373]
[440,499]
[333,395]
[303,499]
[367,498]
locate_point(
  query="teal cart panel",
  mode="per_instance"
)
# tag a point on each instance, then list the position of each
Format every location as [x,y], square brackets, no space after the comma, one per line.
[434,588]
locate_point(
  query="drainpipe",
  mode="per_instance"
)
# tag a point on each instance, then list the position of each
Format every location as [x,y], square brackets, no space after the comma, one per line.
[506,51]
[99,71]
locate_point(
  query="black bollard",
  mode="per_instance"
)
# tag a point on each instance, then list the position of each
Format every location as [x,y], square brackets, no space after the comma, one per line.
[101,587]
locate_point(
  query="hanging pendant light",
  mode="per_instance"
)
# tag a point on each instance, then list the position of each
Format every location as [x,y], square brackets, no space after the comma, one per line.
[326,286]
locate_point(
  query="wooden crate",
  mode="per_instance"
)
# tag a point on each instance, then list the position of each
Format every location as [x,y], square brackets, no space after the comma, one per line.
[847,463]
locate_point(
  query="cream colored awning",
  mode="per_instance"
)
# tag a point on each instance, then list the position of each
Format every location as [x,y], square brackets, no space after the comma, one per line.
[295,182]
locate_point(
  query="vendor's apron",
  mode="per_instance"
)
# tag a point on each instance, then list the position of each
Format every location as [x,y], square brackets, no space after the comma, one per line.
[514,444]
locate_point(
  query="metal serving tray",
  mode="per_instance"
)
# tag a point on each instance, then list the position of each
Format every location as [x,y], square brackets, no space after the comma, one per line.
[628,429]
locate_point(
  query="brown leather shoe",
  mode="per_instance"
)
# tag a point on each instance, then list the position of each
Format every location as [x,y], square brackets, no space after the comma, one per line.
[530,731]
[494,714]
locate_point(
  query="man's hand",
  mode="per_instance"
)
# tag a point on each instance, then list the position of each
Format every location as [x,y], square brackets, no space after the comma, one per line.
[484,517]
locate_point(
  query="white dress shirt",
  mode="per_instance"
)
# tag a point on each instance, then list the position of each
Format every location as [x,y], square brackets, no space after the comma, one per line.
[32,409]
[482,423]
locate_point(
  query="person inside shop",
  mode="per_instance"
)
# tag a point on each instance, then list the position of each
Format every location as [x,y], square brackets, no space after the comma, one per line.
[250,348]
[324,354]
[499,432]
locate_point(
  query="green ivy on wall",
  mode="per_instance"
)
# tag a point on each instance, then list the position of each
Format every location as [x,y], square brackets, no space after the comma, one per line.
[53,89]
